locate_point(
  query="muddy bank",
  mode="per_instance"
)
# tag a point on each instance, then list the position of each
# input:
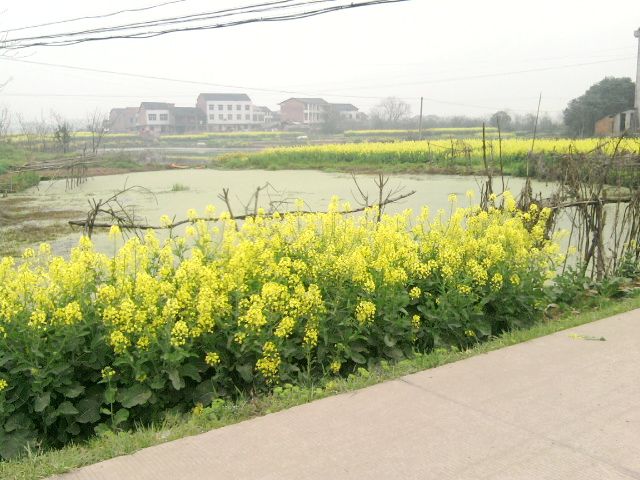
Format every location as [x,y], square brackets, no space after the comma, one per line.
[25,220]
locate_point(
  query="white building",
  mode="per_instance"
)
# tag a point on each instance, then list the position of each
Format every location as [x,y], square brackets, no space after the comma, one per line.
[308,111]
[227,111]
[155,117]
[346,111]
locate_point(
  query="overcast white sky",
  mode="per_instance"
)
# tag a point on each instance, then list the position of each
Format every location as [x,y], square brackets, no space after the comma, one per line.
[418,48]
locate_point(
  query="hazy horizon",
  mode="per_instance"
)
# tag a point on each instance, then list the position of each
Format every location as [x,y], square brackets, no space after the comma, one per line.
[464,58]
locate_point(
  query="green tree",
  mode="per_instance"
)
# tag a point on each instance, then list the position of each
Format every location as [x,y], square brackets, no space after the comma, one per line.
[62,133]
[607,97]
[501,119]
[332,122]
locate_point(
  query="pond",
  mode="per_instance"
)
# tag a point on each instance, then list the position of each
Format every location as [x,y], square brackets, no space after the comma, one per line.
[173,192]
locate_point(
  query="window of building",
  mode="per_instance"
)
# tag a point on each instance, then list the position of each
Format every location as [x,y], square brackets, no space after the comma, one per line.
[220,107]
[255,118]
[211,106]
[164,117]
[229,107]
[153,117]
[212,117]
[246,107]
[220,117]
[306,116]
[247,117]
[238,107]
[238,117]
[229,116]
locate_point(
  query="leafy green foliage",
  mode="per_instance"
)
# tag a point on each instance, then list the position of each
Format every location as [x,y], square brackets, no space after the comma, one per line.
[607,97]
[96,344]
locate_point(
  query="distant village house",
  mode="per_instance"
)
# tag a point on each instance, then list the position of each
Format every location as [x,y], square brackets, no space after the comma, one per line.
[307,111]
[227,111]
[123,120]
[188,119]
[614,125]
[346,111]
[155,117]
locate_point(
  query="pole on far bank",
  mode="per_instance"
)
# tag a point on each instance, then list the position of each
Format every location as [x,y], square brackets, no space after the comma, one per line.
[420,122]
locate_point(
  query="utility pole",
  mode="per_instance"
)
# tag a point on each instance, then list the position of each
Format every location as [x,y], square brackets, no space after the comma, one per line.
[637,98]
[420,122]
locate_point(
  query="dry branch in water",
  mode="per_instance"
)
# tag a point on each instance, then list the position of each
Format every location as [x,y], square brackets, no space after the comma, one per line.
[118,214]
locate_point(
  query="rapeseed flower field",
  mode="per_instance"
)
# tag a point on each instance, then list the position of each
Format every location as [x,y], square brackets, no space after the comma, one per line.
[96,342]
[456,154]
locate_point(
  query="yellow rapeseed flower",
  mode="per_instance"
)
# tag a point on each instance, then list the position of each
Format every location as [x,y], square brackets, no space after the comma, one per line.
[365,311]
[415,293]
[212,359]
[114,232]
[108,373]
[335,367]
[268,365]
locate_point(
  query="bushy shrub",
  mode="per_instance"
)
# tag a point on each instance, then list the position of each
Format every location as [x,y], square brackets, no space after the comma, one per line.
[94,342]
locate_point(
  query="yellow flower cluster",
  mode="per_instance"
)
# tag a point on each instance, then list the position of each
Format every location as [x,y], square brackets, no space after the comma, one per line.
[269,363]
[212,359]
[108,373]
[334,367]
[365,311]
[415,293]
[276,289]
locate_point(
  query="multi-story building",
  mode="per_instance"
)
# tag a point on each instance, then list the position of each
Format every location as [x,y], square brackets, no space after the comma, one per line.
[346,111]
[308,111]
[262,115]
[227,111]
[123,120]
[155,117]
[188,119]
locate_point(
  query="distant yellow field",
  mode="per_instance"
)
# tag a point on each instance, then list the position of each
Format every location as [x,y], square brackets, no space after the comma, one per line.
[509,146]
[451,130]
[450,155]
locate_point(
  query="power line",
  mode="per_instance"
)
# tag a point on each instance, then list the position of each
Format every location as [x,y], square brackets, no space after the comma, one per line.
[87,95]
[51,41]
[235,87]
[488,75]
[93,17]
[166,79]
[297,92]
[170,20]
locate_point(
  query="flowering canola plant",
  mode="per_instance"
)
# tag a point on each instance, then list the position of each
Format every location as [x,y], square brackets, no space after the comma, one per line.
[94,342]
[438,152]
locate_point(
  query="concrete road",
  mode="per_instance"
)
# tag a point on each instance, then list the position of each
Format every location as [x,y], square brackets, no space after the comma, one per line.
[553,408]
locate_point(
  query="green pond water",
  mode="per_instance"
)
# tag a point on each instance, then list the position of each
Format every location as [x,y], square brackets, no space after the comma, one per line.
[155,196]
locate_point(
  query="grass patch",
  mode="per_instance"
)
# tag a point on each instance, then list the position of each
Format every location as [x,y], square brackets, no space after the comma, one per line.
[24,222]
[40,464]
[179,187]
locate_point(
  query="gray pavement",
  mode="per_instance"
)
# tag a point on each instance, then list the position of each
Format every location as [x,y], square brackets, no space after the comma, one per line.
[552,408]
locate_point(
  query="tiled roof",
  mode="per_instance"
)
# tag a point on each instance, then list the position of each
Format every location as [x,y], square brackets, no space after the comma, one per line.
[233,97]
[343,107]
[318,101]
[156,106]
